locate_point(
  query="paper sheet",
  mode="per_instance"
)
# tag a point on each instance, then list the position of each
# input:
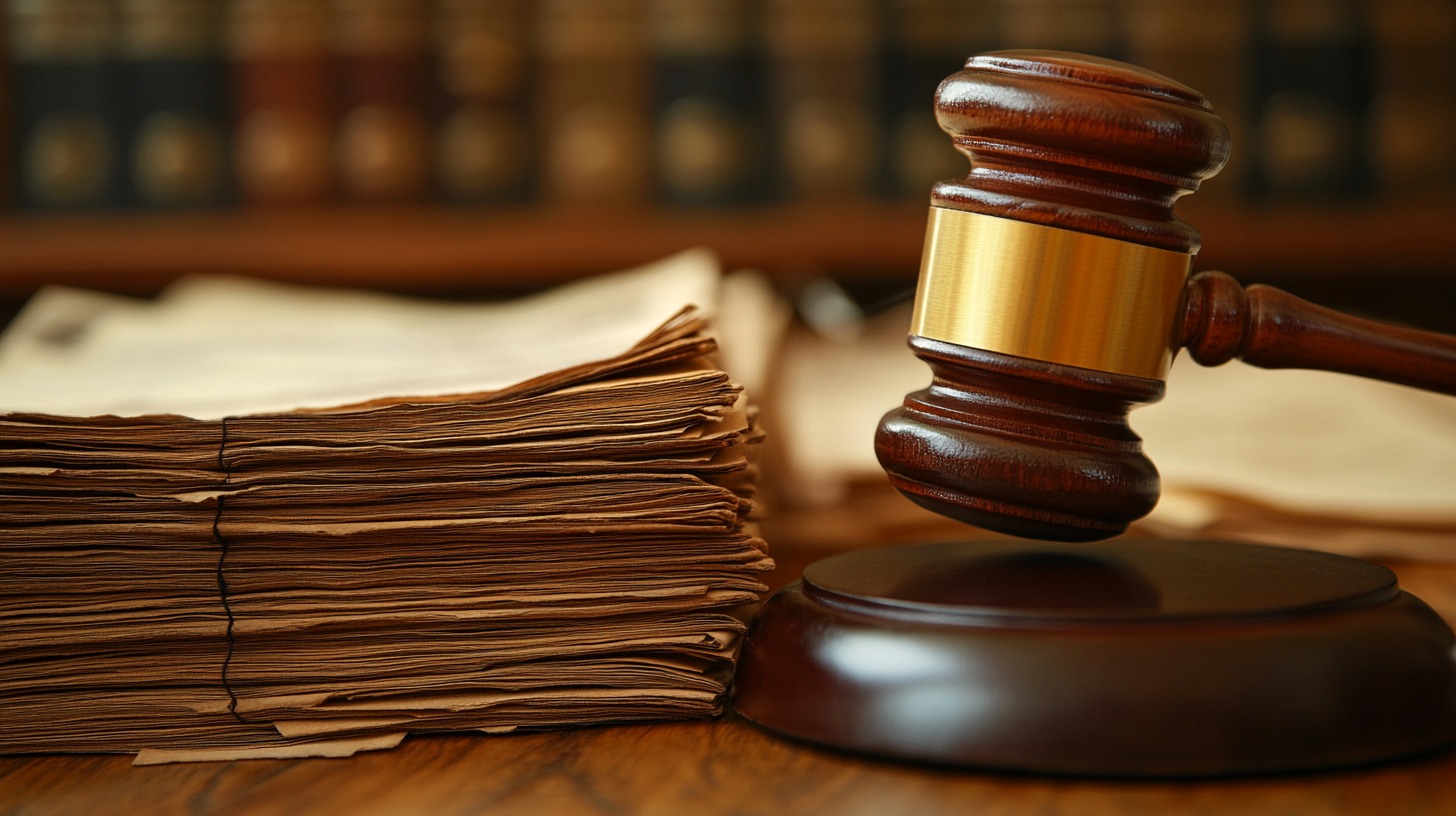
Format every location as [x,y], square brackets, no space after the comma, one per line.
[1339,457]
[492,517]
[1307,441]
[254,347]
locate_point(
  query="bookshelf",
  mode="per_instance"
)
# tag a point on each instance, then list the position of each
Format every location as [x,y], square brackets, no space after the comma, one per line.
[429,250]
[440,251]
[1306,233]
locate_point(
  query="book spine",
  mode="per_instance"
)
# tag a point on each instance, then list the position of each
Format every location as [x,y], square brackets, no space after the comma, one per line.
[1086,26]
[66,105]
[484,146]
[708,108]
[1206,46]
[382,143]
[824,97]
[176,126]
[1413,121]
[593,102]
[7,114]
[283,101]
[1312,89]
[928,41]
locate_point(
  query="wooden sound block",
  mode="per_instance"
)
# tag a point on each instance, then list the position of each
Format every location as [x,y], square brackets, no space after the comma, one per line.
[1126,657]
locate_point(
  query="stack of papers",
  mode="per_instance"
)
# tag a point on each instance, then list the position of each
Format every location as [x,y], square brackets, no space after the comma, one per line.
[254,520]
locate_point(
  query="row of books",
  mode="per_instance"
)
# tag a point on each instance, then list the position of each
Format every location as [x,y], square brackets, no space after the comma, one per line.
[188,103]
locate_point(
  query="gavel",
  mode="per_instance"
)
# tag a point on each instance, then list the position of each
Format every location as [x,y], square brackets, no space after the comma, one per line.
[1055,290]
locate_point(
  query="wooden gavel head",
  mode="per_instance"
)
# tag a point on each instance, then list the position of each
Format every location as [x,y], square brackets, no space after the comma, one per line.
[1051,292]
[1055,289]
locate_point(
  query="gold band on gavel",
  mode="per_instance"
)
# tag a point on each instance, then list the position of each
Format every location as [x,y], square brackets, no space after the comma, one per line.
[1049,294]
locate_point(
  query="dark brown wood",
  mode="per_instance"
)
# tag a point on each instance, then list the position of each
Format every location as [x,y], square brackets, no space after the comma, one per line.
[980,443]
[1105,148]
[1127,658]
[1266,327]
[1073,142]
[1079,143]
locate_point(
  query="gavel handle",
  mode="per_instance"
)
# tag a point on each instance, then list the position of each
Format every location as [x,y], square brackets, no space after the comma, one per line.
[1270,328]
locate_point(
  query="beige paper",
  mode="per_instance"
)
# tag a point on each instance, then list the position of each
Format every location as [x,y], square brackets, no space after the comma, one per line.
[1288,457]
[332,748]
[253,347]
[556,527]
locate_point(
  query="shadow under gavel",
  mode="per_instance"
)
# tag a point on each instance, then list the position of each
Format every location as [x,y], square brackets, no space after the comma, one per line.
[1055,290]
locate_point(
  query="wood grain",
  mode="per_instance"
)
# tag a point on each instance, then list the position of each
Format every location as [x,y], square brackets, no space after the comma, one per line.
[1027,447]
[721,767]
[1266,327]
[1080,143]
[725,766]
[1019,446]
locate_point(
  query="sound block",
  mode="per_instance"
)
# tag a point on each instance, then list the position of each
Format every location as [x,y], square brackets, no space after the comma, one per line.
[1141,658]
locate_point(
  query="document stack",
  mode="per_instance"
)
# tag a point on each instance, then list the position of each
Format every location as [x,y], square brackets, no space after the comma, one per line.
[248,519]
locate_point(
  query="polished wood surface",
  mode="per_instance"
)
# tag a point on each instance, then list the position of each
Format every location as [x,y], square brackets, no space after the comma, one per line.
[724,766]
[1131,657]
[1080,143]
[1266,327]
[1019,446]
[1025,447]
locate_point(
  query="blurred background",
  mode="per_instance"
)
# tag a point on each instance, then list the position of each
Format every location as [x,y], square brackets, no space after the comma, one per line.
[483,147]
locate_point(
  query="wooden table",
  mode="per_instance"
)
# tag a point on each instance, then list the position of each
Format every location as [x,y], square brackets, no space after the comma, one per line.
[721,767]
